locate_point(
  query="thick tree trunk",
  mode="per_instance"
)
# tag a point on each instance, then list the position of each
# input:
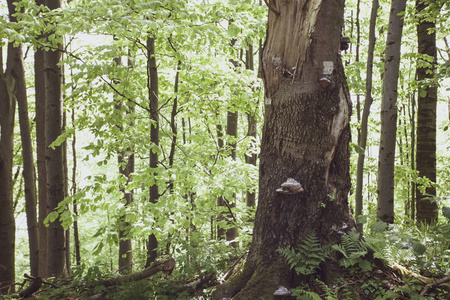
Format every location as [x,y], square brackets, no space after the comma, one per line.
[388,132]
[427,209]
[152,86]
[365,115]
[7,223]
[54,156]
[305,137]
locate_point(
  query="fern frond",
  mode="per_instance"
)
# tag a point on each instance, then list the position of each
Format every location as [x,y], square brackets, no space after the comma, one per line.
[330,294]
[310,253]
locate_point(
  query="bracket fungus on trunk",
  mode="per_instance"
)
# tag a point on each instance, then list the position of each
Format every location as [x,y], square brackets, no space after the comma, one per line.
[290,187]
[282,293]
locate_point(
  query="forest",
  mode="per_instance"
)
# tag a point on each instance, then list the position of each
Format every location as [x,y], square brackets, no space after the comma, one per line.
[224,149]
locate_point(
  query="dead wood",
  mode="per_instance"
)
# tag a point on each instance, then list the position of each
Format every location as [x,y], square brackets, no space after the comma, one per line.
[36,283]
[99,296]
[200,281]
[434,284]
[165,266]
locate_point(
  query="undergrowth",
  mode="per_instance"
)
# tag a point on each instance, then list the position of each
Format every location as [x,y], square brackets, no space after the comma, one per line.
[422,252]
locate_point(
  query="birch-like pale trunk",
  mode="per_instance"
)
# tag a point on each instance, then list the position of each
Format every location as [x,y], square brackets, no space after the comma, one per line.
[388,132]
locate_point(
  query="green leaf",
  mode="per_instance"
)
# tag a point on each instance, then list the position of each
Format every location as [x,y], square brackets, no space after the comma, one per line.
[446,212]
[60,139]
[51,218]
[98,248]
[358,149]
[423,93]
[418,248]
[365,265]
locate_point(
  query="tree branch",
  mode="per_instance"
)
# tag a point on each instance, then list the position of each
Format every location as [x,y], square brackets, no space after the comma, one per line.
[434,284]
[276,12]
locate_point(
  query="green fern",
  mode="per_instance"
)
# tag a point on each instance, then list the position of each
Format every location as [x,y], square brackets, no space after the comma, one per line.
[330,294]
[310,253]
[303,294]
[353,248]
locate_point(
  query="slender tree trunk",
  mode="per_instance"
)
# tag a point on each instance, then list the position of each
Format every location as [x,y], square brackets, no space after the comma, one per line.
[29,175]
[305,138]
[427,209]
[54,155]
[251,131]
[386,159]
[66,189]
[173,123]
[152,85]
[76,237]
[221,232]
[125,245]
[173,127]
[412,117]
[365,115]
[39,86]
[126,168]
[7,222]
[232,127]
[231,130]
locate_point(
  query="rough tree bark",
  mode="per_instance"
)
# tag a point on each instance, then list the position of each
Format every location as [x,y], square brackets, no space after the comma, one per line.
[305,137]
[54,156]
[7,223]
[388,131]
[427,209]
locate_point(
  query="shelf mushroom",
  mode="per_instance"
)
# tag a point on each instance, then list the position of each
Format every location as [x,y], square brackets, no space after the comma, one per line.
[282,293]
[290,187]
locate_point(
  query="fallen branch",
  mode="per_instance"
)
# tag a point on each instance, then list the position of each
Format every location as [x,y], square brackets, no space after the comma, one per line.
[36,283]
[433,285]
[165,266]
[200,281]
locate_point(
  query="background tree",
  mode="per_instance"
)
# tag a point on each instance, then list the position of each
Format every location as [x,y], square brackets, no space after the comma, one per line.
[365,115]
[388,132]
[39,88]
[29,174]
[153,87]
[426,205]
[54,154]
[251,157]
[7,222]
[126,168]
